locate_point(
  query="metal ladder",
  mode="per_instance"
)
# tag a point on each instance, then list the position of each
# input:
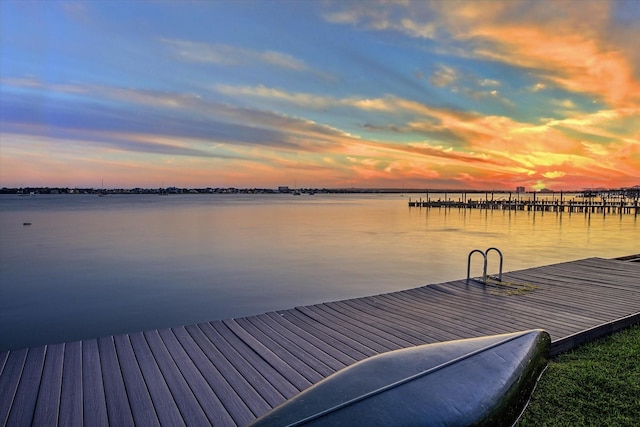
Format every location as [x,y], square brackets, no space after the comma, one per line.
[484,270]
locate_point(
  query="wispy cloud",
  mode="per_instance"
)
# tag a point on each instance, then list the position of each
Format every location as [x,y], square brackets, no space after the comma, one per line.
[443,76]
[384,15]
[562,56]
[497,136]
[302,99]
[452,92]
[505,144]
[155,116]
[224,54]
[467,84]
[579,49]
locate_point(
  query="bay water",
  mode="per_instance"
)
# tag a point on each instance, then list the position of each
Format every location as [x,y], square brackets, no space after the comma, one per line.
[80,266]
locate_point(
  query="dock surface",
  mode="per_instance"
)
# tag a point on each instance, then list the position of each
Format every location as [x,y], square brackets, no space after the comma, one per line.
[229,372]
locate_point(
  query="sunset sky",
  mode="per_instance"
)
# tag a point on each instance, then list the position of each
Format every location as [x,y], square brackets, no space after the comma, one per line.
[404,94]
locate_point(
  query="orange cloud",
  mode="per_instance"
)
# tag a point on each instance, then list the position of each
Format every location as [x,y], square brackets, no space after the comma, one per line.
[572,46]
[498,146]
[457,148]
[554,174]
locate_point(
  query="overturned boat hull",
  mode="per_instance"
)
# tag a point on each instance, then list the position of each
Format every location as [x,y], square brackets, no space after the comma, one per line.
[477,381]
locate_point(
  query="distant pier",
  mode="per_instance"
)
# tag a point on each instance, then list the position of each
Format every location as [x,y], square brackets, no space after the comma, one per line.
[605,202]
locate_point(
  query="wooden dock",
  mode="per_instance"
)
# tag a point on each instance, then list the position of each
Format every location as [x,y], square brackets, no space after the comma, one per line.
[570,206]
[229,372]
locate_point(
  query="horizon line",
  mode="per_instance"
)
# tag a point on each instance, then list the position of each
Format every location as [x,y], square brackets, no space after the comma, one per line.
[285,189]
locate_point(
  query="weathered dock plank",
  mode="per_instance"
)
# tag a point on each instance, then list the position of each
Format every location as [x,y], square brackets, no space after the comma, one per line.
[247,384]
[226,399]
[203,393]
[3,360]
[291,336]
[247,344]
[329,335]
[48,400]
[295,370]
[118,406]
[189,407]
[94,401]
[389,324]
[351,332]
[272,385]
[461,321]
[142,408]
[290,349]
[9,382]
[230,372]
[73,389]
[27,388]
[166,408]
[374,332]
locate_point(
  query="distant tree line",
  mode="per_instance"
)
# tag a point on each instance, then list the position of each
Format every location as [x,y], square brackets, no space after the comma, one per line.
[629,192]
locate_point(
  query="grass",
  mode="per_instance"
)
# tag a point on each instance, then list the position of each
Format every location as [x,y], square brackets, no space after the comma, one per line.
[509,288]
[596,384]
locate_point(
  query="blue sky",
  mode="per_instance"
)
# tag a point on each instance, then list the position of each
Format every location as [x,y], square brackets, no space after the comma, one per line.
[427,94]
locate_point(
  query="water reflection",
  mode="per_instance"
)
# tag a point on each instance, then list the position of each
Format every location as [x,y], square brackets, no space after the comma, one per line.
[90,266]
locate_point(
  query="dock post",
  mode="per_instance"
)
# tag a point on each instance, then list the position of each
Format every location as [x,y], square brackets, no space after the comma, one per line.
[534,201]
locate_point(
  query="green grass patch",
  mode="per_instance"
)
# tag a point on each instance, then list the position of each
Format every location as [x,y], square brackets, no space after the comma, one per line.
[497,287]
[596,384]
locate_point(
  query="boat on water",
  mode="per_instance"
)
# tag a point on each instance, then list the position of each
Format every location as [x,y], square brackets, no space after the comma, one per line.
[477,381]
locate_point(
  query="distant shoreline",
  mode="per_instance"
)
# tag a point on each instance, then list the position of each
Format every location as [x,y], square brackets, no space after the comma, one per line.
[632,192]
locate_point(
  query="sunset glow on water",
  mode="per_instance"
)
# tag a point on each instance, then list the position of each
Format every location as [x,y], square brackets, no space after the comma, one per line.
[91,266]
[483,95]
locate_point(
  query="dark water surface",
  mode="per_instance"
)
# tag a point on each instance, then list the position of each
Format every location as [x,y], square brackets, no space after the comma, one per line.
[91,266]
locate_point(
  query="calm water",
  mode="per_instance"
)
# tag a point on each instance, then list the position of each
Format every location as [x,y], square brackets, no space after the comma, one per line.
[91,266]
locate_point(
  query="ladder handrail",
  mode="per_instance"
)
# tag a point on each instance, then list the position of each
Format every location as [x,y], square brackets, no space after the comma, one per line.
[499,253]
[485,256]
[484,271]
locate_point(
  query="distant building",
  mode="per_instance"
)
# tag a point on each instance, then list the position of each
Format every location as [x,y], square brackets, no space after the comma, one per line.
[519,189]
[283,189]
